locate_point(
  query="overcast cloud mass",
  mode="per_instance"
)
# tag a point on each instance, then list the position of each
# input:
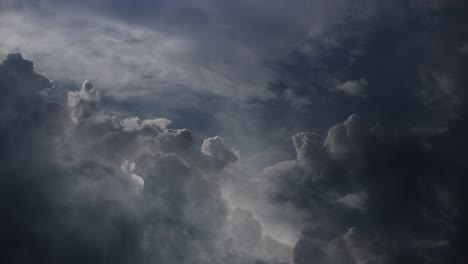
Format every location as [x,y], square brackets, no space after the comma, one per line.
[243,132]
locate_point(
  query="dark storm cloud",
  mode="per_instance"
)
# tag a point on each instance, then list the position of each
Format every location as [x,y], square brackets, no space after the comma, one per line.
[403,52]
[400,192]
[385,185]
[80,186]
[378,173]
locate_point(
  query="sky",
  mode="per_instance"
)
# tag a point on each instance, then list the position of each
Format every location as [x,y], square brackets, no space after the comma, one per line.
[238,132]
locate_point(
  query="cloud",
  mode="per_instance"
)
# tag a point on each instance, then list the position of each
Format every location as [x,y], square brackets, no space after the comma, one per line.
[81,186]
[311,154]
[83,104]
[369,187]
[362,168]
[296,101]
[343,139]
[354,200]
[207,49]
[314,174]
[131,124]
[149,60]
[384,185]
[129,168]
[216,154]
[309,250]
[363,54]
[353,88]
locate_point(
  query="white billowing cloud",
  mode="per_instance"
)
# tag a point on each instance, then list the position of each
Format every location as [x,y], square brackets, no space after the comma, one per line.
[89,92]
[171,176]
[83,103]
[344,138]
[129,168]
[131,124]
[138,180]
[217,154]
[214,147]
[251,237]
[353,87]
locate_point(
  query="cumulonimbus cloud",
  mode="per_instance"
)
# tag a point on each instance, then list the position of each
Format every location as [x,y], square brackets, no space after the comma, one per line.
[78,185]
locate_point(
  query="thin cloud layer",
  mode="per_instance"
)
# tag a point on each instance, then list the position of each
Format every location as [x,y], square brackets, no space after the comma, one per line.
[155,46]
[150,61]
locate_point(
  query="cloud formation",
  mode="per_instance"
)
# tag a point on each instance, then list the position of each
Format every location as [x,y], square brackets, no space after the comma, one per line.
[363,132]
[80,186]
[159,45]
[374,202]
[353,88]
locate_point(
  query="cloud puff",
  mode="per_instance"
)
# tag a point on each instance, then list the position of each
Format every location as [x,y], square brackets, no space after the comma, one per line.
[354,200]
[353,88]
[83,104]
[310,153]
[132,124]
[217,155]
[343,139]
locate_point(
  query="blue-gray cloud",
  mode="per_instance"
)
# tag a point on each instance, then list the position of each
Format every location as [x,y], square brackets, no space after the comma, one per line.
[78,185]
[158,45]
[372,93]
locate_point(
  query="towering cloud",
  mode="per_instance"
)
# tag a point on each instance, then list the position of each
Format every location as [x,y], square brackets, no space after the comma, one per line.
[384,199]
[80,186]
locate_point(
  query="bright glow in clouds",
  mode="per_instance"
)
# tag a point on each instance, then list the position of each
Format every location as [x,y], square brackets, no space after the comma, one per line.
[123,59]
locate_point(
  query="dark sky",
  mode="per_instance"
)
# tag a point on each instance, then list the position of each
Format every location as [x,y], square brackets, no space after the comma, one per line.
[243,132]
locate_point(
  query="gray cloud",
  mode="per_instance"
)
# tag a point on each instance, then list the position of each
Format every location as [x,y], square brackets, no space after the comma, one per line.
[353,88]
[354,200]
[392,159]
[346,210]
[81,186]
[196,45]
[383,186]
